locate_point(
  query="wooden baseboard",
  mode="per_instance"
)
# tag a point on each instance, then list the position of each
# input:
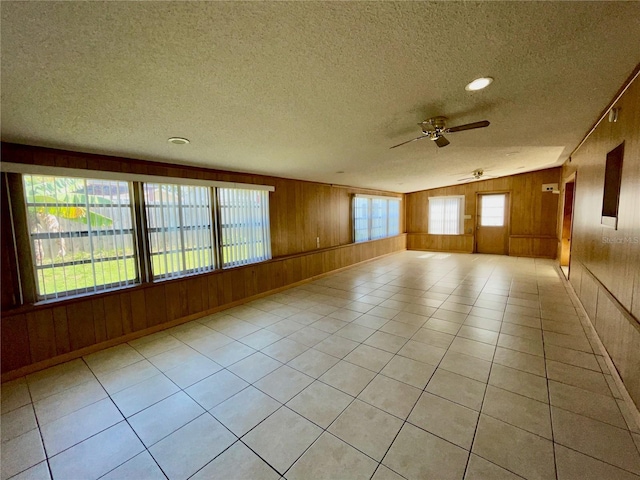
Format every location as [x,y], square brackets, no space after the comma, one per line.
[50,362]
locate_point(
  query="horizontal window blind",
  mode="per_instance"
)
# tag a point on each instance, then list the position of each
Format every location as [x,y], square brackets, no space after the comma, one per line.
[81,232]
[179,225]
[244,226]
[446,215]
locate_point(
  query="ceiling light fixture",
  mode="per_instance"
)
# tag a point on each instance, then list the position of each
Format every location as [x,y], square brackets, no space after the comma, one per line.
[478,84]
[178,140]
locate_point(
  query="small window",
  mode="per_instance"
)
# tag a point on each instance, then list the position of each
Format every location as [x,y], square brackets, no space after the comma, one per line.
[81,232]
[245,232]
[180,229]
[612,183]
[375,217]
[446,215]
[492,210]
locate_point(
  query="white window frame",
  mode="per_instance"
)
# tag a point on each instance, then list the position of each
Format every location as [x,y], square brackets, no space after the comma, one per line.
[443,224]
[387,226]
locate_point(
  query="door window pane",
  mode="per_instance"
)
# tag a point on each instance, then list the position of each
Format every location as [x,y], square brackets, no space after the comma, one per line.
[492,210]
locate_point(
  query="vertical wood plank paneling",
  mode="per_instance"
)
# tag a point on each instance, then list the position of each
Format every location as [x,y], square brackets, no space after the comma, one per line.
[99,320]
[139,310]
[82,332]
[14,340]
[61,330]
[42,337]
[126,312]
[113,316]
[155,304]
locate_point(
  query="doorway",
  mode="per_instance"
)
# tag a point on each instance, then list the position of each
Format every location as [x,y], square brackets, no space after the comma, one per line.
[492,227]
[567,223]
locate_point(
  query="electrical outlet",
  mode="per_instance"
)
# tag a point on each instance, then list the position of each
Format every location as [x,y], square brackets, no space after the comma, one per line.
[549,187]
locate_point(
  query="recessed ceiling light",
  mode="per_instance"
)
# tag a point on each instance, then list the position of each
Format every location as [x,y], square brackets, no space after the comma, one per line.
[479,84]
[178,140]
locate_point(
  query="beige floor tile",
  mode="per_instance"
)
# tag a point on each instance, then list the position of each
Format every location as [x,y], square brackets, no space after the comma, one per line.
[368,357]
[230,353]
[284,350]
[409,371]
[521,331]
[165,417]
[599,407]
[481,469]
[390,395]
[578,377]
[15,394]
[450,316]
[422,352]
[254,367]
[260,339]
[347,377]
[519,411]
[336,346]
[138,397]
[142,466]
[433,338]
[329,325]
[573,465]
[478,334]
[520,361]
[486,323]
[17,422]
[399,328]
[68,401]
[97,455]
[411,318]
[346,314]
[457,388]
[192,371]
[239,463]
[175,357]
[285,327]
[370,321]
[416,454]
[313,362]
[155,344]
[514,449]
[456,307]
[190,448]
[117,380]
[209,343]
[366,428]
[282,438]
[473,348]
[385,473]
[238,329]
[57,379]
[216,389]
[632,422]
[383,312]
[355,332]
[320,403]
[113,358]
[40,471]
[190,331]
[386,341]
[284,383]
[575,342]
[600,440]
[519,382]
[330,458]
[308,336]
[446,419]
[467,366]
[21,453]
[524,345]
[245,410]
[79,425]
[443,326]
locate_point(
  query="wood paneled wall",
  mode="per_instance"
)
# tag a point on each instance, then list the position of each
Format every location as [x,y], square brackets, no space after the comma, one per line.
[605,263]
[300,212]
[532,222]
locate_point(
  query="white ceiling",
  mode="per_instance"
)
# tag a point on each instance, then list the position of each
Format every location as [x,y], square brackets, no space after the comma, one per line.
[306,89]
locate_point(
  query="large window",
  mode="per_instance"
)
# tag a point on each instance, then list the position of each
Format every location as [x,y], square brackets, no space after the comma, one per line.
[375,217]
[446,215]
[179,225]
[81,232]
[244,224]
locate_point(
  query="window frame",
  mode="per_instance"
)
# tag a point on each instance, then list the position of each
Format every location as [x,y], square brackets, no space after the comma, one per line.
[13,174]
[359,220]
[461,208]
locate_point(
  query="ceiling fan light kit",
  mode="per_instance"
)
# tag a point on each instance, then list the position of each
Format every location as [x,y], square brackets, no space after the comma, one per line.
[434,128]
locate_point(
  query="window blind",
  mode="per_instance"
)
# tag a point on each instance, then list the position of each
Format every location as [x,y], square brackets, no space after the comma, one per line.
[446,215]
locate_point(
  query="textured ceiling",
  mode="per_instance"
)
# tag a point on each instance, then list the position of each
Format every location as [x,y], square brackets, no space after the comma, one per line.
[306,89]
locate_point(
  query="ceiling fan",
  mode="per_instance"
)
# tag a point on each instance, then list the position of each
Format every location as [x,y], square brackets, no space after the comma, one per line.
[434,129]
[477,174]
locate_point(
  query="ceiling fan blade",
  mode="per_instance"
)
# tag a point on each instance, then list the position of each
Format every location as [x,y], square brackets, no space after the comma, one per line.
[409,141]
[468,126]
[441,141]
[463,179]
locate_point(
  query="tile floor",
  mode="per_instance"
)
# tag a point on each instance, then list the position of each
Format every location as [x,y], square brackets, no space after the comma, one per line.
[417,365]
